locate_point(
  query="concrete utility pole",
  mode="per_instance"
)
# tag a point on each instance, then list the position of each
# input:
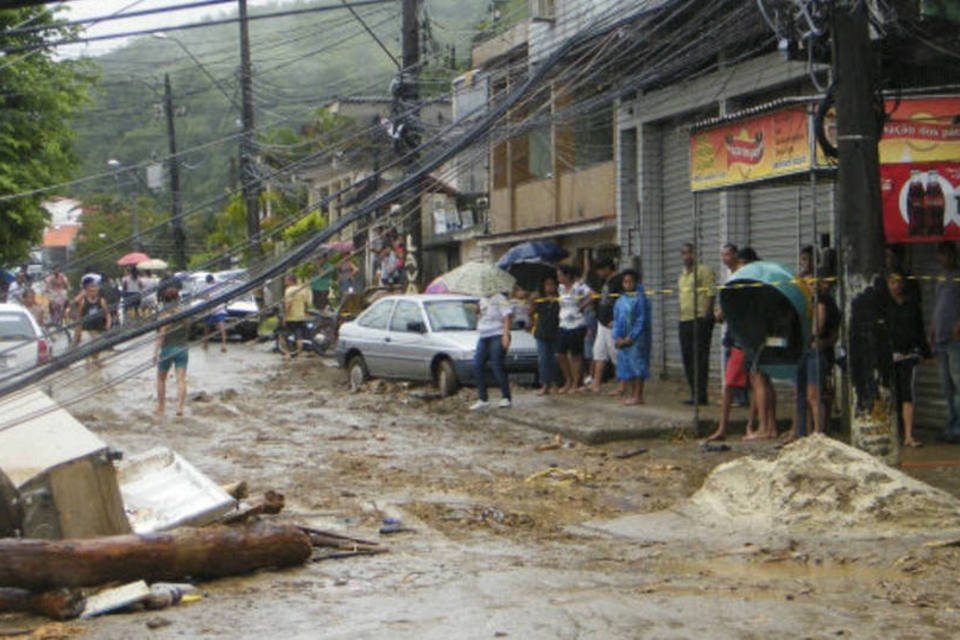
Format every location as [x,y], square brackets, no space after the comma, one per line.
[410,96]
[173,168]
[247,173]
[873,420]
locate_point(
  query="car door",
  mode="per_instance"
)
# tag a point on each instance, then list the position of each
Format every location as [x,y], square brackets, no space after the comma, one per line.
[371,336]
[407,354]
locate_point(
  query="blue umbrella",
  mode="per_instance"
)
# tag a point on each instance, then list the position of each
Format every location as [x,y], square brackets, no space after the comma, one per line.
[536,251]
[7,276]
[768,313]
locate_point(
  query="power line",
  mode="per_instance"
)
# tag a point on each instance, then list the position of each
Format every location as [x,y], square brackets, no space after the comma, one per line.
[15,31]
[183,27]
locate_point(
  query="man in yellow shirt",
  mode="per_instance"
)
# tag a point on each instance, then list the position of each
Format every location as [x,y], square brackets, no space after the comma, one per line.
[696,287]
[296,300]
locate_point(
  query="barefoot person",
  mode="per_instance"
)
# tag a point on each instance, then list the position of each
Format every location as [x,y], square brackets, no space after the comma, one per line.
[631,335]
[217,320]
[172,353]
[93,314]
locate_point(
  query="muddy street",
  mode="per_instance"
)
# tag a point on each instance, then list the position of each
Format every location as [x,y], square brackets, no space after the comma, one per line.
[505,540]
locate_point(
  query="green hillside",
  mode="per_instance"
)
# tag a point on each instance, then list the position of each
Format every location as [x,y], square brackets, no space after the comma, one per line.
[299,62]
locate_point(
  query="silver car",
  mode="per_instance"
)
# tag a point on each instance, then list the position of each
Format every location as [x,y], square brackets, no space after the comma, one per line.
[424,337]
[23,343]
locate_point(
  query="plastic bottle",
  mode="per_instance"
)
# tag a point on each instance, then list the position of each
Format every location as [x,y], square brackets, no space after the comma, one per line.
[934,204]
[916,218]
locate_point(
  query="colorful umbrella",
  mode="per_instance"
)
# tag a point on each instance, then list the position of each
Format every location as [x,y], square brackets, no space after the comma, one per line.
[133,259]
[153,264]
[479,279]
[437,286]
[536,251]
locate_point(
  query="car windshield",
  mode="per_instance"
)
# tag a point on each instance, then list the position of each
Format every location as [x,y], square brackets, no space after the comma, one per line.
[15,326]
[452,315]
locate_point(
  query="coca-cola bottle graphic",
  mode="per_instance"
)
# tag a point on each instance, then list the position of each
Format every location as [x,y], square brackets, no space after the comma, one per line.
[934,204]
[916,218]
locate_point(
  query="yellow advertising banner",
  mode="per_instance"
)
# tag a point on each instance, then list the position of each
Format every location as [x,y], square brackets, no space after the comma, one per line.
[921,130]
[757,148]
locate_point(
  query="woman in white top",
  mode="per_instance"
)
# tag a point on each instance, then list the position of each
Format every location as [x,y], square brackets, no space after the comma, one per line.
[493,327]
[575,296]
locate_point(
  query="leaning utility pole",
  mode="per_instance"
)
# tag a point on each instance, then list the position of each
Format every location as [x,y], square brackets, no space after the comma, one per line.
[873,422]
[409,97]
[173,168]
[247,172]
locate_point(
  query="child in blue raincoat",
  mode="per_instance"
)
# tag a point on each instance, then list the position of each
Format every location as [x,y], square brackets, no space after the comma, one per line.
[631,335]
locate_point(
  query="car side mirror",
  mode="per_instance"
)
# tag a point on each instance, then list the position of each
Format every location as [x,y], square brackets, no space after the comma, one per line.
[416,327]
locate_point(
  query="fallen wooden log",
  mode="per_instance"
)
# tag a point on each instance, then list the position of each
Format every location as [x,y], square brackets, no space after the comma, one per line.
[60,604]
[210,552]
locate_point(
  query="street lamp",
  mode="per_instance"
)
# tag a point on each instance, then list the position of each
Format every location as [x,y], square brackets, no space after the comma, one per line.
[117,167]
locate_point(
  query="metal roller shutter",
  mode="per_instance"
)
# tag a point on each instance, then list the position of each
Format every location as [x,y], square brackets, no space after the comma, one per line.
[678,228]
[931,409]
[774,222]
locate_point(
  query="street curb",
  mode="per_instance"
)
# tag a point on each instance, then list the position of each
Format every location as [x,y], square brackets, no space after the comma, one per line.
[646,427]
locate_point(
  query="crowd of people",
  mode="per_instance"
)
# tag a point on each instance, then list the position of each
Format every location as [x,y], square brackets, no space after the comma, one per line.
[609,324]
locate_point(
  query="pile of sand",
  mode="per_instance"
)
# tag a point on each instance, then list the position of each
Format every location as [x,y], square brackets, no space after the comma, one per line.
[820,485]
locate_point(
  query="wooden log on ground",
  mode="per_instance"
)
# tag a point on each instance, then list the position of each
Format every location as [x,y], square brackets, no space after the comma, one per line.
[210,552]
[60,604]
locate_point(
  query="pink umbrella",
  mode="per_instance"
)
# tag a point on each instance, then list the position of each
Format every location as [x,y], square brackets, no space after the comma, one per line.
[437,286]
[133,259]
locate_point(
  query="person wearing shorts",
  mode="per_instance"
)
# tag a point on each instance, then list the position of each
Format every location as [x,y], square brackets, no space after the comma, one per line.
[908,347]
[735,379]
[575,296]
[604,349]
[296,300]
[217,320]
[172,352]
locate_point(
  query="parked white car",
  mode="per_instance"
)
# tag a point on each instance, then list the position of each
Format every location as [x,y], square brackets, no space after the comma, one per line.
[23,343]
[430,338]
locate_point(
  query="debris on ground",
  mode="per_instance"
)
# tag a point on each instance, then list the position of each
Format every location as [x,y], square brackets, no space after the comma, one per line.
[820,484]
[161,490]
[561,475]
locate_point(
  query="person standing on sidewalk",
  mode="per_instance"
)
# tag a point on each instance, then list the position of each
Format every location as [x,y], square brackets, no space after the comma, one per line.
[631,333]
[604,349]
[546,313]
[493,329]
[728,256]
[908,347]
[575,296]
[696,292]
[945,334]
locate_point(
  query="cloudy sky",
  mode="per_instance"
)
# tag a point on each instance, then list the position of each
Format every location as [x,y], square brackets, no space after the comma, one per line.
[80,9]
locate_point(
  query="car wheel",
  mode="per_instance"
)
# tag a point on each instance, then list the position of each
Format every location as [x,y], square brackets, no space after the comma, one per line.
[357,373]
[447,382]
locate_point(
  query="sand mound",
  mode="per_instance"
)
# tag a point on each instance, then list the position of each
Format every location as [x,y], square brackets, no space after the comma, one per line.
[819,484]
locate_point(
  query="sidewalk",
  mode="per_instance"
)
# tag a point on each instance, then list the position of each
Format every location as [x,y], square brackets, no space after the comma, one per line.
[596,419]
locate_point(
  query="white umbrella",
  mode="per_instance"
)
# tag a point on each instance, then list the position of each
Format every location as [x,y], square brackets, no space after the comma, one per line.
[479,279]
[153,264]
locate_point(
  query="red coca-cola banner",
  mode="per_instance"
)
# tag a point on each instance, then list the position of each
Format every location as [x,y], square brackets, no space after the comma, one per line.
[921,201]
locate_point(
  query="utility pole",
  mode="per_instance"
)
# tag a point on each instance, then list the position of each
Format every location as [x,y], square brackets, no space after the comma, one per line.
[247,173]
[409,97]
[873,423]
[173,168]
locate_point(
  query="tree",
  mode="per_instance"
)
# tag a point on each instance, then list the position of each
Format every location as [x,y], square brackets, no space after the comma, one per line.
[108,227]
[38,98]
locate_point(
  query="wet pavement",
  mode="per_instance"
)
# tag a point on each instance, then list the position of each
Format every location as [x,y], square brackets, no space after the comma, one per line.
[497,507]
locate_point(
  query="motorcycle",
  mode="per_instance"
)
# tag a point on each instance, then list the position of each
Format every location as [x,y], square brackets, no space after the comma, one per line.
[320,333]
